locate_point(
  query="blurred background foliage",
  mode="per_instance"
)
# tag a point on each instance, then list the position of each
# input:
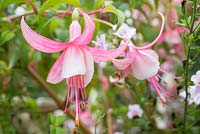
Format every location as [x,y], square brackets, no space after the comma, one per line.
[24,104]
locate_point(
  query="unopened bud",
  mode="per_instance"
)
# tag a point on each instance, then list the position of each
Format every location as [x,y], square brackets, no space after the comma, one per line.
[75,14]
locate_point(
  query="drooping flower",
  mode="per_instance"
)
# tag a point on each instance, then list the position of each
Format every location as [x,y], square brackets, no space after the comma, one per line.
[144,64]
[76,63]
[134,110]
[194,90]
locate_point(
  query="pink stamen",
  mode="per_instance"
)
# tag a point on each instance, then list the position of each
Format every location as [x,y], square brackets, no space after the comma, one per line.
[72,90]
[170,74]
[75,88]
[67,99]
[82,90]
[77,104]
[161,79]
[153,81]
[166,92]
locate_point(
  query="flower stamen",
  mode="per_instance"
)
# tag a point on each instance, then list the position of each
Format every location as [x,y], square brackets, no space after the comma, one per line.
[75,88]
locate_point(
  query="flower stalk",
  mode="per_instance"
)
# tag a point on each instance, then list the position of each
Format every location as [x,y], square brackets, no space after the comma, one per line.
[187,61]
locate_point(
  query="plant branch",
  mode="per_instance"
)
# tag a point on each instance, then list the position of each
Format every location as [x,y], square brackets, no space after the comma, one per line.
[187,64]
[59,13]
[33,6]
[34,73]
[186,89]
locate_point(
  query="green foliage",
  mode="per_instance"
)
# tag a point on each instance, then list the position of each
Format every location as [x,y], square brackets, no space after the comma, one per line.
[87,4]
[5,3]
[55,122]
[51,3]
[6,36]
[110,8]
[98,4]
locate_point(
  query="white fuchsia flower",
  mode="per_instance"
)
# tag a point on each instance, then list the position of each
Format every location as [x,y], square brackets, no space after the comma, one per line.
[134,110]
[196,78]
[100,42]
[125,32]
[194,91]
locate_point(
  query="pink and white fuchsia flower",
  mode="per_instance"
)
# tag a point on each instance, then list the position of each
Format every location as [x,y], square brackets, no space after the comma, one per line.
[76,63]
[144,63]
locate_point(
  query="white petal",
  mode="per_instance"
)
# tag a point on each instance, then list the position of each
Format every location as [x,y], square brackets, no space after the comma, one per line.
[146,64]
[125,32]
[74,63]
[89,61]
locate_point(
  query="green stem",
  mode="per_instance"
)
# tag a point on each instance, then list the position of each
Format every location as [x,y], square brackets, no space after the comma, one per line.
[187,66]
[186,89]
[193,16]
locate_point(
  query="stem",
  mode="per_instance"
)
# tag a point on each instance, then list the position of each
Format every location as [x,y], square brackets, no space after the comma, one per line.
[187,65]
[104,22]
[34,73]
[33,6]
[186,89]
[60,14]
[194,15]
[101,10]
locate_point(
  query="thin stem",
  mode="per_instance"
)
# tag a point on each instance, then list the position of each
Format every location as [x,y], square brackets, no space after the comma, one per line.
[186,89]
[101,10]
[187,65]
[59,13]
[194,15]
[104,22]
[34,73]
[13,17]
[33,6]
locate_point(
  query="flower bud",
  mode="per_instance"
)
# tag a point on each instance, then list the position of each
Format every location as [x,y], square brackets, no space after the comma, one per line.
[75,14]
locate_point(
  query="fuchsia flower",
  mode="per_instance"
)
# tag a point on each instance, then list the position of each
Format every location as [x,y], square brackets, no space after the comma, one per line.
[76,63]
[100,42]
[134,110]
[194,90]
[144,63]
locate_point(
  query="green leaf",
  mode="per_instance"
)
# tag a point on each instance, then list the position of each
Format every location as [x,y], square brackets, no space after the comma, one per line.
[13,56]
[60,120]
[52,119]
[98,4]
[87,5]
[120,15]
[57,120]
[57,130]
[5,3]
[6,36]
[52,3]
[3,67]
